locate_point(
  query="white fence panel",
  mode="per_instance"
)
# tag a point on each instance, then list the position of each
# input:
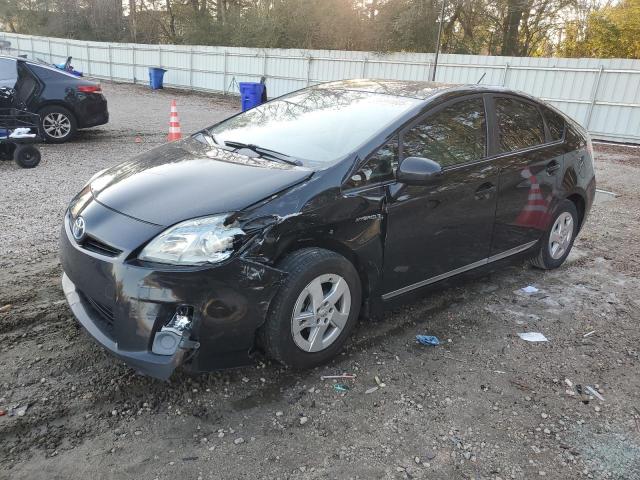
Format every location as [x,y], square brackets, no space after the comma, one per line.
[601,94]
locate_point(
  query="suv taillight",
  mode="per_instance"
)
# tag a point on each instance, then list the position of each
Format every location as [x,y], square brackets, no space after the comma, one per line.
[90,89]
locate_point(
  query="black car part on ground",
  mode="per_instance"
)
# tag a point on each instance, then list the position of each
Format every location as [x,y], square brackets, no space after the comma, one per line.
[399,237]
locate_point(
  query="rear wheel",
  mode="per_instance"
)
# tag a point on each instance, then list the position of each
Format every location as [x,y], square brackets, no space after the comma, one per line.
[315,309]
[58,124]
[557,242]
[27,156]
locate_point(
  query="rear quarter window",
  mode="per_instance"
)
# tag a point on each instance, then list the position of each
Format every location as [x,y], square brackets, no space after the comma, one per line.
[555,124]
[520,124]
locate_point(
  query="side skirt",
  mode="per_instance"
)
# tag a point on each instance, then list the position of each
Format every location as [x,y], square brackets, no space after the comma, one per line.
[466,268]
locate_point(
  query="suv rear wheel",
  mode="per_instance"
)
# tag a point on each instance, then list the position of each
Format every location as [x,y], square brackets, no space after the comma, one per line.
[315,309]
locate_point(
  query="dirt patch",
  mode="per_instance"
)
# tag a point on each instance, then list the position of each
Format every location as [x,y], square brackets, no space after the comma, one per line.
[484,404]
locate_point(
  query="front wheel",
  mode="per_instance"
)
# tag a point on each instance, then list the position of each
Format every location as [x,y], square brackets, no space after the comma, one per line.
[556,243]
[315,309]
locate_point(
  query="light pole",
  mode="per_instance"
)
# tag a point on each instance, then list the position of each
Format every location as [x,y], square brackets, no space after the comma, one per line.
[435,63]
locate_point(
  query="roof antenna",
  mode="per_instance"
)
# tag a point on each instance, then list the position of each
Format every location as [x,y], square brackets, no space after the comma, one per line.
[481,78]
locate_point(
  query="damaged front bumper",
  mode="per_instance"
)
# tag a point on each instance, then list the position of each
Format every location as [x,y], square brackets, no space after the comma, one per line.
[148,363]
[125,305]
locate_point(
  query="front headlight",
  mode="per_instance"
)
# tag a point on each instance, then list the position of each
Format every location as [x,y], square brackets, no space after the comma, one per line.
[80,201]
[194,242]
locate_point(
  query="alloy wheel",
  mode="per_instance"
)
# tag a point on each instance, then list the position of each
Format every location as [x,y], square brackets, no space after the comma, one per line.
[56,125]
[321,312]
[561,235]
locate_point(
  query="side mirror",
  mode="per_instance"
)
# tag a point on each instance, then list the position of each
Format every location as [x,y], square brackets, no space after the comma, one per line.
[418,171]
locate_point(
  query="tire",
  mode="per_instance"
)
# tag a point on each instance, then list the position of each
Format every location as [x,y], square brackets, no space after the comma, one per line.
[552,254]
[307,268]
[6,150]
[27,156]
[58,124]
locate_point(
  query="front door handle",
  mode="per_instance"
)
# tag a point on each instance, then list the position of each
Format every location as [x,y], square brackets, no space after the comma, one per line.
[485,191]
[552,167]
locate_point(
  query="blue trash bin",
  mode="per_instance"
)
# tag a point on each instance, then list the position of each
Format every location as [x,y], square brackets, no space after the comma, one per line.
[155,77]
[250,94]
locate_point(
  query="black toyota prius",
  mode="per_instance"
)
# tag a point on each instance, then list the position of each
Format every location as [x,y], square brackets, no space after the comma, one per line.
[278,228]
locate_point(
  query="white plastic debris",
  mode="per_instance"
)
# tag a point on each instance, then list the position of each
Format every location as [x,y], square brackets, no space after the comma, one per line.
[529,289]
[332,377]
[533,337]
[593,392]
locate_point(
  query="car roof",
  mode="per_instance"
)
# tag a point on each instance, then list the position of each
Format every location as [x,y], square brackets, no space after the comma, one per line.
[421,90]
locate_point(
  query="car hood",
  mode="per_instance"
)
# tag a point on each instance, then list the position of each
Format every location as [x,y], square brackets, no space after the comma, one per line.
[188,179]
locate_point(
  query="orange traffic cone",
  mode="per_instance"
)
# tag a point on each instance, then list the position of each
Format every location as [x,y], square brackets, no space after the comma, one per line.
[174,123]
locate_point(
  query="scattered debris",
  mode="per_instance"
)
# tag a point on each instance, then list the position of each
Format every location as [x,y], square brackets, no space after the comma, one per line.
[379,382]
[3,413]
[606,192]
[238,441]
[21,412]
[593,392]
[5,308]
[428,339]
[303,420]
[346,376]
[589,333]
[582,394]
[520,385]
[532,337]
[370,390]
[340,387]
[569,391]
[530,289]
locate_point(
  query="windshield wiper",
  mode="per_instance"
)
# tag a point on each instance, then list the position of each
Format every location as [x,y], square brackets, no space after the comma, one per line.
[265,152]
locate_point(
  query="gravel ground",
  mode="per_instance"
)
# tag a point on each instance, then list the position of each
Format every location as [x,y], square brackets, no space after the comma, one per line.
[484,404]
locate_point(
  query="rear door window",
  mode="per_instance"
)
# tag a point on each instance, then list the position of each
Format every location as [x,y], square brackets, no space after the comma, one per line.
[455,135]
[8,72]
[520,124]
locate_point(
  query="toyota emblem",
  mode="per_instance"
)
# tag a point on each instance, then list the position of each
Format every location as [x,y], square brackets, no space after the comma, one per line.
[77,228]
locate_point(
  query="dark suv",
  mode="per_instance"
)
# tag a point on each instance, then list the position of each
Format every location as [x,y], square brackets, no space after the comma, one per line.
[277,227]
[64,102]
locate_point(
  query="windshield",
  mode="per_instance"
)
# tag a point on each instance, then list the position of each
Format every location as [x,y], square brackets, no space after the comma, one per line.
[317,126]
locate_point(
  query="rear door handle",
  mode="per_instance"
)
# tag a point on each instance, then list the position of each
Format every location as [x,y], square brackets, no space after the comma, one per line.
[552,167]
[485,191]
